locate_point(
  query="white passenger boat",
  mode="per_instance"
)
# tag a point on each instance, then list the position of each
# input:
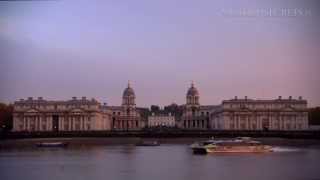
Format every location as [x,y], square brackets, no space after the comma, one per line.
[148,143]
[52,144]
[237,145]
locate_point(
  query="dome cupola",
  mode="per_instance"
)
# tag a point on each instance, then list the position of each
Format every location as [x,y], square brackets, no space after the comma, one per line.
[128,91]
[192,96]
[128,96]
[192,91]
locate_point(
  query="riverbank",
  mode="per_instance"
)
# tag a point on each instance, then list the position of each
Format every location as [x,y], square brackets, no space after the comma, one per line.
[178,133]
[107,141]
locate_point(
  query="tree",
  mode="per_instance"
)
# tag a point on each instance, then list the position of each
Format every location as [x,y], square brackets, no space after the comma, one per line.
[6,116]
[155,108]
[314,116]
[174,109]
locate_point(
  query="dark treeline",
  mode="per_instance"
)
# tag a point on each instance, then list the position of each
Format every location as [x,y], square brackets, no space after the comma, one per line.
[173,108]
[6,116]
[314,116]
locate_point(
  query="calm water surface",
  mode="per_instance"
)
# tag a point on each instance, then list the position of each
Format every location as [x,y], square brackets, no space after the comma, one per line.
[157,163]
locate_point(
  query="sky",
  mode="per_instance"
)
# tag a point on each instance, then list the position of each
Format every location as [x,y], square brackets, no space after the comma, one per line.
[61,49]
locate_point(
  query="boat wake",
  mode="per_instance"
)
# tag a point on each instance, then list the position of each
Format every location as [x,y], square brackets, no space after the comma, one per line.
[285,149]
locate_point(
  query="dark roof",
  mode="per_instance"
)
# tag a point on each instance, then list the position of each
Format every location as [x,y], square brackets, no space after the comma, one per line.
[58,102]
[209,107]
[265,101]
[128,91]
[192,91]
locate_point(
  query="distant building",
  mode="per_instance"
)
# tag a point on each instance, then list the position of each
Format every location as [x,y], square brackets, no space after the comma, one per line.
[249,114]
[195,116]
[161,119]
[72,115]
[89,115]
[127,116]
[78,114]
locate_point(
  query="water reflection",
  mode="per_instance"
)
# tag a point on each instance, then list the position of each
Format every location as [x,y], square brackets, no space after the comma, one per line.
[162,162]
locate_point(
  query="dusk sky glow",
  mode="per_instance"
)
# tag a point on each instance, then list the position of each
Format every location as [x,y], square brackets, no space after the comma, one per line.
[61,49]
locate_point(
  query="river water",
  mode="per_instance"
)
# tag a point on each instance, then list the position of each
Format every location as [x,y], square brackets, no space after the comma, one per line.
[165,162]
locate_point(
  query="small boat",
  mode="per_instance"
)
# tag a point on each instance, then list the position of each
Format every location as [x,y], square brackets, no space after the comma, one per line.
[237,145]
[148,143]
[52,144]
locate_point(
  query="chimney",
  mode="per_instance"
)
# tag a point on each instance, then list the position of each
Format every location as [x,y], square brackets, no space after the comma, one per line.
[290,97]
[74,98]
[280,97]
[236,97]
[300,97]
[246,97]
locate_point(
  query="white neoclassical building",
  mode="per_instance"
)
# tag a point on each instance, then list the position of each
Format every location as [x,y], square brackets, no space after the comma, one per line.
[195,116]
[77,114]
[249,114]
[89,115]
[71,115]
[127,116]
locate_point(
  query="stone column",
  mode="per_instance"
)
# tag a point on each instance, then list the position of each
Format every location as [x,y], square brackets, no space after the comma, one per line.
[40,122]
[258,123]
[48,123]
[270,122]
[60,128]
[27,123]
[80,122]
[44,119]
[85,121]
[69,122]
[247,122]
[36,121]
[24,123]
[238,122]
[48,127]
[25,126]
[73,122]
[65,122]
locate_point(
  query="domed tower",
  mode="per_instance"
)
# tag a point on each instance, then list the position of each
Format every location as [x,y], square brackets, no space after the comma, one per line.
[192,96]
[128,97]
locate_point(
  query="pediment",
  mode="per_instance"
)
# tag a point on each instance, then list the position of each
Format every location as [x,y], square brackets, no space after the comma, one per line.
[245,109]
[288,108]
[76,110]
[32,110]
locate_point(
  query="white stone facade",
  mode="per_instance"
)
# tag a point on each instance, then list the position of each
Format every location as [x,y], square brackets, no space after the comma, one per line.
[195,116]
[248,114]
[123,118]
[88,115]
[161,120]
[72,115]
[127,116]
[76,115]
